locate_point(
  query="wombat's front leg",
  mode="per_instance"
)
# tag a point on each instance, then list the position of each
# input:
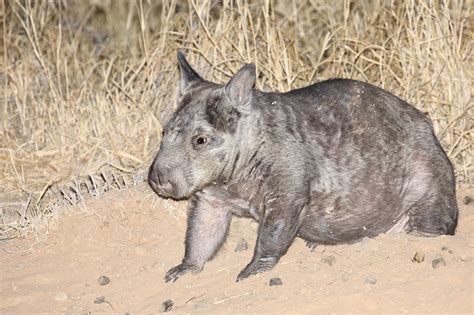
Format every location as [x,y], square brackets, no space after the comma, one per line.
[277,231]
[209,218]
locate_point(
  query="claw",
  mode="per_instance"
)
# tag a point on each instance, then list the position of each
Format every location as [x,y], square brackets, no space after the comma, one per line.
[311,245]
[257,266]
[174,273]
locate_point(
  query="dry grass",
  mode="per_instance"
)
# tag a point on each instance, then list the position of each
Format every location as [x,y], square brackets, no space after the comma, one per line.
[86,83]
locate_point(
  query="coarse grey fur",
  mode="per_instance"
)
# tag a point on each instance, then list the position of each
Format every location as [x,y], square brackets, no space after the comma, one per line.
[332,163]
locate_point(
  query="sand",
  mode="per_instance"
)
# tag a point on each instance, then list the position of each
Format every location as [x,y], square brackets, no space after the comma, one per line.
[132,237]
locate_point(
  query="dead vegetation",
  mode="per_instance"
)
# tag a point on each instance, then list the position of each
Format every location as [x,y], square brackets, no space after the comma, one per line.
[86,84]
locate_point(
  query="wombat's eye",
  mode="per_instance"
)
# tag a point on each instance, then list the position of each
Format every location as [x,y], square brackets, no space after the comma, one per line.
[200,140]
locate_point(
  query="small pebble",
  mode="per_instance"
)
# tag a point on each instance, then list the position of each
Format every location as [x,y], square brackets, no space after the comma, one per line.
[61,296]
[419,257]
[99,299]
[242,245]
[446,249]
[467,200]
[103,280]
[370,280]
[166,306]
[328,260]
[438,262]
[275,281]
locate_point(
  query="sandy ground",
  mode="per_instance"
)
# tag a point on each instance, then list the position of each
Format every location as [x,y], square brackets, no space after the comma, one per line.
[133,238]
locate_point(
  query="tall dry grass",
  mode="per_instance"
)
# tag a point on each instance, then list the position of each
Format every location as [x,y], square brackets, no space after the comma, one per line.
[87,84]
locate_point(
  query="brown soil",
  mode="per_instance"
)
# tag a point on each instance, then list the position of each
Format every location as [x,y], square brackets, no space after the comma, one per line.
[133,238]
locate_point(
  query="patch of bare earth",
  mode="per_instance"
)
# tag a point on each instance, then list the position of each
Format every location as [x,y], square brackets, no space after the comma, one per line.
[133,238]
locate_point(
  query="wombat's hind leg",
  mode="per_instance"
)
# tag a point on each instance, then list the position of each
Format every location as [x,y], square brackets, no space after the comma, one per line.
[430,194]
[208,226]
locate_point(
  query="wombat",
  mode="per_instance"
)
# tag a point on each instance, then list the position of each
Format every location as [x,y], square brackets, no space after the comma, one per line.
[331,163]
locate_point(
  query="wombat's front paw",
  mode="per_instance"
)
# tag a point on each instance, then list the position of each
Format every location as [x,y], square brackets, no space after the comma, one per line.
[174,273]
[257,266]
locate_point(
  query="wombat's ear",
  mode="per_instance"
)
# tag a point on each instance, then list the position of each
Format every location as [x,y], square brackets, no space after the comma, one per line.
[239,88]
[188,76]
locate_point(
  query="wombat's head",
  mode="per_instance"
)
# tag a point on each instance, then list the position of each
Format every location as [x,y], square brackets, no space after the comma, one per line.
[201,141]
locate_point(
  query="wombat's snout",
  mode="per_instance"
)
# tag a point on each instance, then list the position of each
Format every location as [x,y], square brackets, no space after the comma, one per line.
[159,181]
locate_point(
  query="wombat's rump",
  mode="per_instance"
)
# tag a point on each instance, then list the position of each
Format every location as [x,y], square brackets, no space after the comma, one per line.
[331,163]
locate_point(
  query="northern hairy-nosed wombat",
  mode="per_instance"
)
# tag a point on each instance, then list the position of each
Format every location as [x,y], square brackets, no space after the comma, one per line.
[332,163]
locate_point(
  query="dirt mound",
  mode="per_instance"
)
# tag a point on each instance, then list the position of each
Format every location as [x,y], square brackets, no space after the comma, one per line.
[132,238]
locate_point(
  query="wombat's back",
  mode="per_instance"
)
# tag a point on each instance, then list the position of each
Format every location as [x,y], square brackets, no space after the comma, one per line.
[361,105]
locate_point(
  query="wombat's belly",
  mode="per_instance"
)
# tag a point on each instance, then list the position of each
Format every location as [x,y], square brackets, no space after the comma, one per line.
[327,231]
[346,225]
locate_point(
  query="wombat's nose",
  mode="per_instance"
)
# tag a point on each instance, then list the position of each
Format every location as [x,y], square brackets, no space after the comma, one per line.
[159,182]
[156,178]
[168,187]
[153,178]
